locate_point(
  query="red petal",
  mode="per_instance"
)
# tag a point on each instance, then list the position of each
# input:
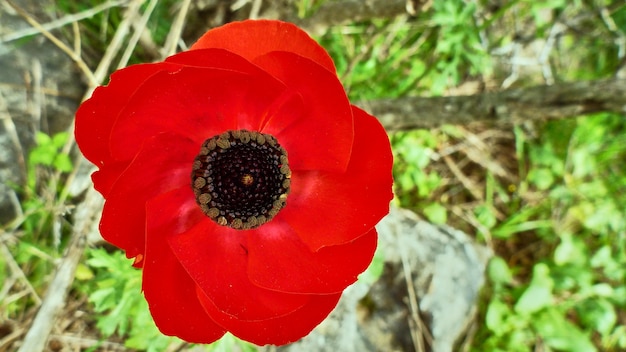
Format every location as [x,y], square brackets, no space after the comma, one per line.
[195,102]
[163,164]
[328,209]
[277,331]
[96,116]
[105,178]
[214,58]
[251,39]
[216,258]
[280,261]
[317,135]
[170,292]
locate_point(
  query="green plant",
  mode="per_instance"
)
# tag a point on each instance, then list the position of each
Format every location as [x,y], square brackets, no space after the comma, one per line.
[413,152]
[458,49]
[114,289]
[45,166]
[573,298]
[36,235]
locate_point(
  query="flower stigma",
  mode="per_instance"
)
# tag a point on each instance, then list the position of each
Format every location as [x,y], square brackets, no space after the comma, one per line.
[241,178]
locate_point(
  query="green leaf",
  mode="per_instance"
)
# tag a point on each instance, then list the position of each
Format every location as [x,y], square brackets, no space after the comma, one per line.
[598,313]
[497,313]
[42,155]
[59,139]
[498,271]
[538,294]
[100,298]
[42,138]
[542,178]
[486,216]
[603,257]
[228,343]
[3,271]
[436,213]
[571,250]
[599,290]
[559,333]
[83,272]
[375,270]
[63,163]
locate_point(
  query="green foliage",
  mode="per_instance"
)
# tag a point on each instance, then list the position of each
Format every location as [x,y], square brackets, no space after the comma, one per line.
[48,153]
[573,298]
[41,224]
[392,58]
[117,291]
[98,31]
[114,289]
[46,158]
[372,66]
[436,213]
[458,50]
[571,193]
[413,152]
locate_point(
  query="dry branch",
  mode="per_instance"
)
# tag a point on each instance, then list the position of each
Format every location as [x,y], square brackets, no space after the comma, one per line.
[86,218]
[556,101]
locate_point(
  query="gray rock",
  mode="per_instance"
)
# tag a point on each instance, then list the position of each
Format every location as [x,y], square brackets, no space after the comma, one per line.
[446,269]
[40,89]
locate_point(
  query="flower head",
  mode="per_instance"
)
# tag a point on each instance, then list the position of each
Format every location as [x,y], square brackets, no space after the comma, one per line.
[241,180]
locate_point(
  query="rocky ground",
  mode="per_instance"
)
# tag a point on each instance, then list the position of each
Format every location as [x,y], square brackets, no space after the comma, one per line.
[424,301]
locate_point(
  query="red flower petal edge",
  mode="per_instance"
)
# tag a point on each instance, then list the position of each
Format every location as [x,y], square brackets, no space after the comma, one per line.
[241,180]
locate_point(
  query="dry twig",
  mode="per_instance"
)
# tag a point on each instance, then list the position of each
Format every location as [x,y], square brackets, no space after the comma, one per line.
[175,31]
[11,130]
[419,330]
[54,301]
[510,106]
[61,22]
[73,55]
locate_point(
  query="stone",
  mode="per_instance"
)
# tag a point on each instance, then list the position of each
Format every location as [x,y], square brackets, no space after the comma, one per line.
[446,269]
[40,89]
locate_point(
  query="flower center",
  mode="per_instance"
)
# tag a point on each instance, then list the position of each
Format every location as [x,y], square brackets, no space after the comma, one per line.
[241,178]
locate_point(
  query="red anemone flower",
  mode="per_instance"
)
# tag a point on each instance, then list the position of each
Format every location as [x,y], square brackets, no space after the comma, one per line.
[241,180]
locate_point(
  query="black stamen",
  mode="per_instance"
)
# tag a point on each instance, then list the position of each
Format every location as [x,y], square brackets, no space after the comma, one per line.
[241,178]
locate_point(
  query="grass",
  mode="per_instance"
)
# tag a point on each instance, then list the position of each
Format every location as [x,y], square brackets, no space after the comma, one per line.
[548,198]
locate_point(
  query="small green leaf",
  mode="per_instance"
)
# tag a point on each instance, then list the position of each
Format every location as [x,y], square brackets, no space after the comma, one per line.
[59,139]
[436,213]
[571,250]
[42,138]
[543,178]
[486,216]
[602,258]
[559,333]
[42,155]
[598,313]
[497,313]
[538,294]
[83,272]
[63,163]
[375,269]
[498,271]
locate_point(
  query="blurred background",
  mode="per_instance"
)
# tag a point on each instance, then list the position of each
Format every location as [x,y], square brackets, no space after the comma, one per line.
[506,118]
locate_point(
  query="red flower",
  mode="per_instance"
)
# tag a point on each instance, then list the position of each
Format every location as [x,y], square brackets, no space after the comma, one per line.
[241,180]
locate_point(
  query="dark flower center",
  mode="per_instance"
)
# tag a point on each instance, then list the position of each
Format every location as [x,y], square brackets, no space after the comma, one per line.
[241,178]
